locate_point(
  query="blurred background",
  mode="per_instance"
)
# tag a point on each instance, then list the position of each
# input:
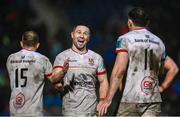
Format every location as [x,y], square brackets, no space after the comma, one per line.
[53,20]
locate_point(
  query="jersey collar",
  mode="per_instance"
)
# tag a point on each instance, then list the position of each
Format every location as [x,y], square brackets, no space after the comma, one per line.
[138,28]
[78,52]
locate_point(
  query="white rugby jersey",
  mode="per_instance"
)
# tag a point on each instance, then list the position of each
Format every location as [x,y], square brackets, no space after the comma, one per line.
[26,72]
[81,80]
[145,51]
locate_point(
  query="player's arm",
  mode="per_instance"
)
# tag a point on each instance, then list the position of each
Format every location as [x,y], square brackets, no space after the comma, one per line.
[104,85]
[58,75]
[59,72]
[116,80]
[172,70]
[103,89]
[117,73]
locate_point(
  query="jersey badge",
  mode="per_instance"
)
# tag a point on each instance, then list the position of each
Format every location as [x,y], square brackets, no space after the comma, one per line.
[91,61]
[19,101]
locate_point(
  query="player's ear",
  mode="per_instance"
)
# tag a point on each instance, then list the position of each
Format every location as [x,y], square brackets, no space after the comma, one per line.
[88,39]
[147,23]
[21,43]
[89,36]
[37,45]
[130,23]
[72,34]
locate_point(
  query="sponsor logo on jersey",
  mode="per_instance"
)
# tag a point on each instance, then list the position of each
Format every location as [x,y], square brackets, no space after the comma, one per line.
[19,101]
[91,61]
[141,40]
[23,61]
[70,60]
[147,36]
[84,80]
[22,57]
[147,41]
[148,84]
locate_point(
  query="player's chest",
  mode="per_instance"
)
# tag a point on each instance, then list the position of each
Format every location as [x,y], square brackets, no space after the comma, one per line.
[84,61]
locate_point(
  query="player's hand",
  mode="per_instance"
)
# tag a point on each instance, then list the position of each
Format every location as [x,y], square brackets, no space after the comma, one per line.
[66,65]
[103,106]
[59,87]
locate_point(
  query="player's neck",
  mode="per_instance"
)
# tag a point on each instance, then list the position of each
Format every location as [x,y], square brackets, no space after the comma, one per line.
[136,28]
[79,51]
[29,48]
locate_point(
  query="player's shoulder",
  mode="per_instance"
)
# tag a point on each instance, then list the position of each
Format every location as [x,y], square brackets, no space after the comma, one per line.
[127,35]
[156,37]
[134,33]
[93,53]
[40,56]
[152,34]
[13,55]
[10,57]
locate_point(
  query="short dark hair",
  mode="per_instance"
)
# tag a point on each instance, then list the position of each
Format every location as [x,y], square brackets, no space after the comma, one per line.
[139,16]
[30,38]
[80,24]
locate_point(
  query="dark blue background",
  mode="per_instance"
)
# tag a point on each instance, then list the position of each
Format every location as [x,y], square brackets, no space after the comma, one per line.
[53,21]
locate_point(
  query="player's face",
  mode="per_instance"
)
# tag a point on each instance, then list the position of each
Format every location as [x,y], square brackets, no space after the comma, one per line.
[80,36]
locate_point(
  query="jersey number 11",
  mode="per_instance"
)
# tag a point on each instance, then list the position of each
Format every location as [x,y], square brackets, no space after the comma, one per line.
[150,59]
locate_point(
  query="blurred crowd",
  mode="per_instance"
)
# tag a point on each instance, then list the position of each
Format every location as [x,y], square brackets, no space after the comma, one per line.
[53,20]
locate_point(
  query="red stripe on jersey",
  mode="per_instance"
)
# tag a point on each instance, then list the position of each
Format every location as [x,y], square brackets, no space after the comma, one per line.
[100,73]
[121,51]
[57,67]
[49,74]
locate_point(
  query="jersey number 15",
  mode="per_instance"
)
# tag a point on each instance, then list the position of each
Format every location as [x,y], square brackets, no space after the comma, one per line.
[19,74]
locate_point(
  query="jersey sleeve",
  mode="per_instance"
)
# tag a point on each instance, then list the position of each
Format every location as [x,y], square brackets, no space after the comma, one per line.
[101,68]
[8,65]
[59,61]
[164,55]
[121,45]
[48,67]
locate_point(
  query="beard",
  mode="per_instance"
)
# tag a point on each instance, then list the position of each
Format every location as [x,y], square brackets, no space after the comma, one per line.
[80,46]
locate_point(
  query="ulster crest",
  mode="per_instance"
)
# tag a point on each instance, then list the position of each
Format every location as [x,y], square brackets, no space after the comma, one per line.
[91,61]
